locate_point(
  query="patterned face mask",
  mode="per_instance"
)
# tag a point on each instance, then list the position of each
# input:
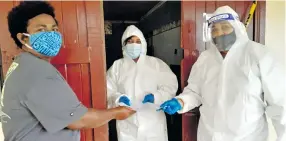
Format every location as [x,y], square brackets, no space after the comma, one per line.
[47,43]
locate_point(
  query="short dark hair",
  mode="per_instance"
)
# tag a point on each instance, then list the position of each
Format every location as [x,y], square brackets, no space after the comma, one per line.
[126,40]
[19,16]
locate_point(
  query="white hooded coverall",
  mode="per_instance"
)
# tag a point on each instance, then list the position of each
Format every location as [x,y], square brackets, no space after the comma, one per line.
[237,91]
[135,80]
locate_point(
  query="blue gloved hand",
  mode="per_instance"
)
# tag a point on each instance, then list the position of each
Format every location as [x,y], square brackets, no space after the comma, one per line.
[125,100]
[148,98]
[171,106]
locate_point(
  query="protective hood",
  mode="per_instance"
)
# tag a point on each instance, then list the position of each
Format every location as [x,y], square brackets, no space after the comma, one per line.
[225,13]
[134,31]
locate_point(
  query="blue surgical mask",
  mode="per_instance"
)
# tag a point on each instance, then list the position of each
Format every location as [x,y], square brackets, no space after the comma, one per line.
[47,43]
[133,50]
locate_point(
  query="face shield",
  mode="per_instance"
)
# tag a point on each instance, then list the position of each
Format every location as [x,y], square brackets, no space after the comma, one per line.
[223,30]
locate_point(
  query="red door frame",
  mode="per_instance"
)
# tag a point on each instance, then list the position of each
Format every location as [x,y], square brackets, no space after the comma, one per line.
[191,42]
[96,38]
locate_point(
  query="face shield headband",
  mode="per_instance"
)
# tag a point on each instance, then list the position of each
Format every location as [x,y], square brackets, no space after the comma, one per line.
[209,20]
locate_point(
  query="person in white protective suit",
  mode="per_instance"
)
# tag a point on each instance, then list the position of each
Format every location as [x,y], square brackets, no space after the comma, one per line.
[237,82]
[140,78]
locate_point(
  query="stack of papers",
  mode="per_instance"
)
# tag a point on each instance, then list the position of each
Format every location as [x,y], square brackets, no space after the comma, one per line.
[139,106]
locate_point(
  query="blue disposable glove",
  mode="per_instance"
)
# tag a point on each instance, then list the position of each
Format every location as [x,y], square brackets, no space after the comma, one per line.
[149,98]
[171,106]
[125,100]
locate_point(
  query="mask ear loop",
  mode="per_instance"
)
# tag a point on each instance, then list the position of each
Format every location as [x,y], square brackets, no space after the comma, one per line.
[26,34]
[28,46]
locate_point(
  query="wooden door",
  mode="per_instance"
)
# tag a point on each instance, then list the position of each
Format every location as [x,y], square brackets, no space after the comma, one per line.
[192,43]
[82,57]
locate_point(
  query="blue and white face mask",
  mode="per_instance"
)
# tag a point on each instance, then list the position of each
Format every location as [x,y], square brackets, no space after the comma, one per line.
[47,43]
[133,50]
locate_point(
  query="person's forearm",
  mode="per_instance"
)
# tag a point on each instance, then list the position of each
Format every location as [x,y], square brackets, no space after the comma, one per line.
[94,118]
[188,101]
